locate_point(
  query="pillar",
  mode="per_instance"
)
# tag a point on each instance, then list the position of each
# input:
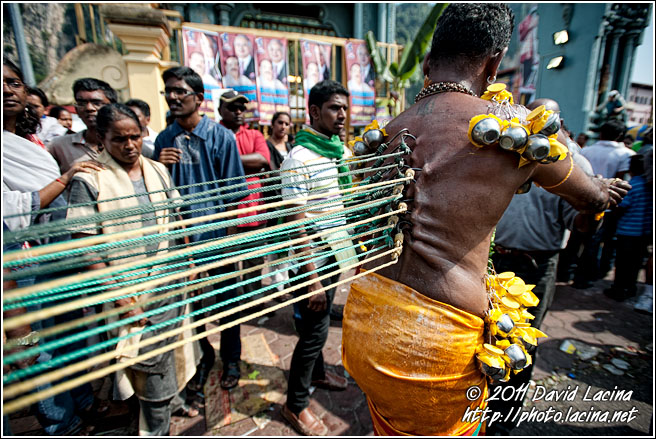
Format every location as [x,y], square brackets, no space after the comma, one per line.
[357,21]
[224,13]
[612,60]
[391,17]
[19,36]
[382,23]
[145,34]
[627,64]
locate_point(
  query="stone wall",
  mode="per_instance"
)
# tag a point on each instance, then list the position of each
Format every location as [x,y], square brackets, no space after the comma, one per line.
[49,33]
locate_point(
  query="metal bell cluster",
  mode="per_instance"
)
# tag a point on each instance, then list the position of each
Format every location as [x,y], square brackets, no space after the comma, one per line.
[508,325]
[533,139]
[369,142]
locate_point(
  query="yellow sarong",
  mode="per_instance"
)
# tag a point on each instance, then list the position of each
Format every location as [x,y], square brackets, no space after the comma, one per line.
[413,357]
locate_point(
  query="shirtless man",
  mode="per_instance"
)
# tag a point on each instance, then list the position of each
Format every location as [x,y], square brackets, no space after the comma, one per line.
[428,307]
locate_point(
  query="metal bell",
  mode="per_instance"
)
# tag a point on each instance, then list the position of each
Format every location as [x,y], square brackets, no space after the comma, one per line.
[538,147]
[516,356]
[524,188]
[373,138]
[530,348]
[513,138]
[496,373]
[505,324]
[486,131]
[360,148]
[549,159]
[552,126]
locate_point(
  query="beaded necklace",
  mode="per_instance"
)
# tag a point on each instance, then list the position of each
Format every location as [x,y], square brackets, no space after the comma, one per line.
[443,87]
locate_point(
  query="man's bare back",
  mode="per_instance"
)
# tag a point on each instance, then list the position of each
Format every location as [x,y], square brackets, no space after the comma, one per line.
[460,194]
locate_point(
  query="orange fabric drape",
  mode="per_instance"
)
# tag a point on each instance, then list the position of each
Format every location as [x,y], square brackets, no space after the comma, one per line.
[413,357]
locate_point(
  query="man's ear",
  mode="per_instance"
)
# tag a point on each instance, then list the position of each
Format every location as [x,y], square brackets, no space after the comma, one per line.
[199,99]
[494,62]
[425,65]
[315,111]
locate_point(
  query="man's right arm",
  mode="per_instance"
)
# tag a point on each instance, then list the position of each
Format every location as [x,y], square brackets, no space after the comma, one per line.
[586,194]
[165,152]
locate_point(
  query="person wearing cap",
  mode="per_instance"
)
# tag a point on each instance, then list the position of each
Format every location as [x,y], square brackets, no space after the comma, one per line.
[198,150]
[255,157]
[614,106]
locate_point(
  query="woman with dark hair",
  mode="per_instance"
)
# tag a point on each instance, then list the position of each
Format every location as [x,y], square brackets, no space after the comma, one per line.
[49,127]
[31,180]
[157,380]
[63,116]
[278,141]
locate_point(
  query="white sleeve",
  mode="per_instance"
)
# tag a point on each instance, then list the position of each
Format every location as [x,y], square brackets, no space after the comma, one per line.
[14,202]
[294,178]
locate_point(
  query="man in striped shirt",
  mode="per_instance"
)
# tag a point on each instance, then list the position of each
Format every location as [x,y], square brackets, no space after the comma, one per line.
[313,167]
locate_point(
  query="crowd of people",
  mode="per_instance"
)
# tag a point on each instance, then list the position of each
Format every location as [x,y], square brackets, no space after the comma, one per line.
[411,330]
[120,156]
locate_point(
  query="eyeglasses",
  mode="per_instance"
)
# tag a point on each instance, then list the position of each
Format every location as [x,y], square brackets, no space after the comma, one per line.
[178,93]
[235,107]
[95,103]
[15,84]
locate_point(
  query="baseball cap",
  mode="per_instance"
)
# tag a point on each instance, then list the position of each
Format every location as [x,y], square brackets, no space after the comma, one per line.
[232,96]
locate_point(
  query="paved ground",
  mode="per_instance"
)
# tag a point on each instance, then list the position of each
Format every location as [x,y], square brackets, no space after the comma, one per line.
[585,316]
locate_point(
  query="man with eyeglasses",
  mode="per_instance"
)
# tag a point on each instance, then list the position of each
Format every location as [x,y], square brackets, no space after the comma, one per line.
[90,96]
[198,150]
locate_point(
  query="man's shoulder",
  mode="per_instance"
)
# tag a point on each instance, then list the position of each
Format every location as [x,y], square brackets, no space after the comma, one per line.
[65,140]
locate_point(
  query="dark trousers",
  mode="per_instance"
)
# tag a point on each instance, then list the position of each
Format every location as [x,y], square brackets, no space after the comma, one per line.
[307,361]
[230,350]
[631,251]
[598,255]
[539,270]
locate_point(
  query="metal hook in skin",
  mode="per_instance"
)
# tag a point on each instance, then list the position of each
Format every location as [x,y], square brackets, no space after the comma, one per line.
[403,131]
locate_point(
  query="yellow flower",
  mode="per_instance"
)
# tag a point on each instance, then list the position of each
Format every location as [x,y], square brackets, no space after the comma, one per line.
[557,148]
[374,126]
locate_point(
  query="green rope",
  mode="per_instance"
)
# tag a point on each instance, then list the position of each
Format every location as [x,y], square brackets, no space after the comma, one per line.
[192,195]
[20,374]
[144,240]
[116,213]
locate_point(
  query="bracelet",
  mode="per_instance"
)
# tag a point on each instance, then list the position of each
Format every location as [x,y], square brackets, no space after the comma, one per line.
[59,181]
[571,167]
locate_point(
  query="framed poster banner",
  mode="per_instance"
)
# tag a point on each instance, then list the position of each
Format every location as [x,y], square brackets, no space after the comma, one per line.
[316,58]
[529,59]
[202,54]
[271,80]
[240,69]
[361,80]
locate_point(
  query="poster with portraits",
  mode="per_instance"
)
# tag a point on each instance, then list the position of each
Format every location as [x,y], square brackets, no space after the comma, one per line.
[202,54]
[239,68]
[529,59]
[316,57]
[271,80]
[360,82]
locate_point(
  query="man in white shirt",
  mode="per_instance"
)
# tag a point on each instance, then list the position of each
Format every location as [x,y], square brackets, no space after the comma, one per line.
[607,156]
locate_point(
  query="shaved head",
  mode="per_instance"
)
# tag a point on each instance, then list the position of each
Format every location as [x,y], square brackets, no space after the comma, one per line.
[549,104]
